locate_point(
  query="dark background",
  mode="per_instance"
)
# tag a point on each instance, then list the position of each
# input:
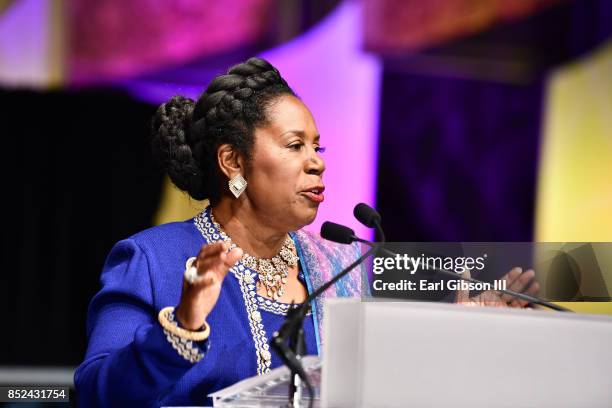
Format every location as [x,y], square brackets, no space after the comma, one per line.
[78,177]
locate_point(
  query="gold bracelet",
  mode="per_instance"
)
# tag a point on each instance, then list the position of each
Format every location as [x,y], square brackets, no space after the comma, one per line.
[178,331]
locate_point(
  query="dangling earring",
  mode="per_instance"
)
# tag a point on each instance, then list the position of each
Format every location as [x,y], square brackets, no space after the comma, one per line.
[237,185]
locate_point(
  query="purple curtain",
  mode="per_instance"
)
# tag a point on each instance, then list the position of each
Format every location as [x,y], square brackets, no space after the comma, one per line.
[457,159]
[459,144]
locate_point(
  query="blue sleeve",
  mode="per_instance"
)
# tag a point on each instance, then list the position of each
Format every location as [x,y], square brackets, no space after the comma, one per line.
[129,361]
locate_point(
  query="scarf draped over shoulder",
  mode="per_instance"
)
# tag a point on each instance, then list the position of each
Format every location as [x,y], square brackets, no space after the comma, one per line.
[321,260]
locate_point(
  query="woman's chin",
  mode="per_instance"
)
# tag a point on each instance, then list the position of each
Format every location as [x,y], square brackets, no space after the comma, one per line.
[306,217]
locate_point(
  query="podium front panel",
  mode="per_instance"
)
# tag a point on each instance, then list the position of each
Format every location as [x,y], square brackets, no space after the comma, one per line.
[398,354]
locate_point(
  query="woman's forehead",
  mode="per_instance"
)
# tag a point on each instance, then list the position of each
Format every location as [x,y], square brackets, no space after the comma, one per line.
[289,114]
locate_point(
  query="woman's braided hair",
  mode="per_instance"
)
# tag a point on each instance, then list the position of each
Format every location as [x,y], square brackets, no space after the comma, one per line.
[187,133]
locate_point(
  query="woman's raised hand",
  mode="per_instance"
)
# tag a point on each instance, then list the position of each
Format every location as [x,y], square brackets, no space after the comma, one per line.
[516,280]
[198,299]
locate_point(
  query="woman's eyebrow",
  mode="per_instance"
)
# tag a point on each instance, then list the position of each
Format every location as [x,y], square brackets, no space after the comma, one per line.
[301,134]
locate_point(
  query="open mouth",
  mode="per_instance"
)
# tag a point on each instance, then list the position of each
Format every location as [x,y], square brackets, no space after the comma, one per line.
[315,194]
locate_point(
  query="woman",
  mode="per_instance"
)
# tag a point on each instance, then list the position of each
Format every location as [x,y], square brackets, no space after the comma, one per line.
[252,148]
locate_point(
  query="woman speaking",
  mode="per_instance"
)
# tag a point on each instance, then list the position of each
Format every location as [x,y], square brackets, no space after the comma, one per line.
[251,147]
[188,308]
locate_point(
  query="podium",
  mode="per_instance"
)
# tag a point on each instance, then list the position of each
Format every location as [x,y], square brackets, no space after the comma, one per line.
[399,354]
[269,390]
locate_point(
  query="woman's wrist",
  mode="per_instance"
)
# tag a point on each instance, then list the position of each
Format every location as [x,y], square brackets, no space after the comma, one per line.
[182,340]
[167,319]
[186,323]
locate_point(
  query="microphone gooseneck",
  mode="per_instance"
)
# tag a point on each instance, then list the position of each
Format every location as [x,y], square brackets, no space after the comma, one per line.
[291,330]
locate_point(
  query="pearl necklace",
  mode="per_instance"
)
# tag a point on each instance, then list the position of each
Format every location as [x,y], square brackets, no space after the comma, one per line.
[273,271]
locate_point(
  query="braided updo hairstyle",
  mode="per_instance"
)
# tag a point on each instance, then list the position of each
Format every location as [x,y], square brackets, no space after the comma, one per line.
[187,133]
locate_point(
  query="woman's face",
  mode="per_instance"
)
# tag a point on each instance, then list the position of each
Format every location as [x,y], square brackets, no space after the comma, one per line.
[285,178]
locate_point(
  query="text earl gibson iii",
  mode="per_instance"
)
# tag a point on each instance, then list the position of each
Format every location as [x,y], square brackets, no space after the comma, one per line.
[424,284]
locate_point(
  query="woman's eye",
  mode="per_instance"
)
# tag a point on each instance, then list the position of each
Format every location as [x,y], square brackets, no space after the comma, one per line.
[298,146]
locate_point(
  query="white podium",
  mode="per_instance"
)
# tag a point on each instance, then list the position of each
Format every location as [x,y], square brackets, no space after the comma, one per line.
[399,354]
[409,354]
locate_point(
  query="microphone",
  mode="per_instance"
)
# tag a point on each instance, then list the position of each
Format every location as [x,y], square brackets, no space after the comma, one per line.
[366,215]
[344,235]
[337,233]
[369,217]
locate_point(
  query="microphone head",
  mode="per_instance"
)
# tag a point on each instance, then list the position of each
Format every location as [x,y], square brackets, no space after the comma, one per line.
[366,215]
[337,233]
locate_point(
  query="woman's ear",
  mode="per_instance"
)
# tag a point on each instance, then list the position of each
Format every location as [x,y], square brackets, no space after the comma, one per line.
[230,161]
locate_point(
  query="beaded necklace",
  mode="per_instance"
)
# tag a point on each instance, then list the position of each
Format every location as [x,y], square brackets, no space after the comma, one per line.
[273,271]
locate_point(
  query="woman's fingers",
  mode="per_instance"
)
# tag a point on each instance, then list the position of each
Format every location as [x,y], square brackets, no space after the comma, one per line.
[530,287]
[521,285]
[463,296]
[211,250]
[198,299]
[211,256]
[226,261]
[521,282]
[510,279]
[492,299]
[214,261]
[533,289]
[233,256]
[516,280]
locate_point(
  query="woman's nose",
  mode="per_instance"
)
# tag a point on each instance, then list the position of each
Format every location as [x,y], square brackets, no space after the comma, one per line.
[315,163]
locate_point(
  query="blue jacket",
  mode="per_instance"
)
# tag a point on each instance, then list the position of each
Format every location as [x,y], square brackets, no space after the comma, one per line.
[129,361]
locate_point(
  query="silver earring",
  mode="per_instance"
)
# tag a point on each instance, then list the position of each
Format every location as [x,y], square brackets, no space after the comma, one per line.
[237,185]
